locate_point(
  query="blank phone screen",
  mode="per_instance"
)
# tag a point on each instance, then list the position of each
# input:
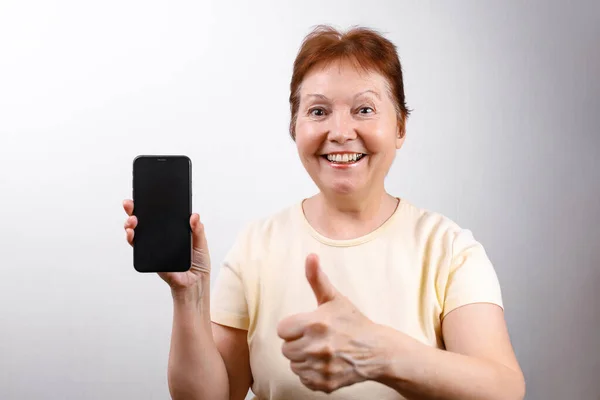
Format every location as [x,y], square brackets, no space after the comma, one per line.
[162,205]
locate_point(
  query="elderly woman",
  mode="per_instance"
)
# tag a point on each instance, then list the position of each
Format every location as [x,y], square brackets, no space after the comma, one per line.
[352,292]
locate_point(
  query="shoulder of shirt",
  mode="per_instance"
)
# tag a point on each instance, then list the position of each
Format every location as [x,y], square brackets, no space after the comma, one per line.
[265,227]
[433,228]
[424,217]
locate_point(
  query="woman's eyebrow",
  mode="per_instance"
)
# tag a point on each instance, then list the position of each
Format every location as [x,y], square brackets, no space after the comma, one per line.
[323,97]
[368,91]
[319,96]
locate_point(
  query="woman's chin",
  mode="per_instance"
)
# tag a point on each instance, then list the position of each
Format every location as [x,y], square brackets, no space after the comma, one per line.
[343,188]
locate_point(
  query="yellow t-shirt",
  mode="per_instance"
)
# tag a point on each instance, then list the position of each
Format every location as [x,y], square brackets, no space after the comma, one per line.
[407,274]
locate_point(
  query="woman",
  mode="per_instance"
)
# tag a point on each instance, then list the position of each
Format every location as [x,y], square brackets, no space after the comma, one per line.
[352,292]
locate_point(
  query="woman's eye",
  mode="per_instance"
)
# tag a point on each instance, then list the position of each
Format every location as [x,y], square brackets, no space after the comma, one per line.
[317,112]
[366,110]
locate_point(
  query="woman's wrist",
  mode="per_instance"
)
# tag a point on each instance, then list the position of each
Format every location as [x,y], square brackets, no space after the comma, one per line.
[191,306]
[394,350]
[192,294]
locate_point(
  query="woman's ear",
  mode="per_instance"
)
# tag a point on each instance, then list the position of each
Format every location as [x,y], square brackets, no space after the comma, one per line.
[400,134]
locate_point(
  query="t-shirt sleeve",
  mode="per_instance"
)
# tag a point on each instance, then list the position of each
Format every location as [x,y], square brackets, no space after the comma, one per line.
[471,275]
[228,304]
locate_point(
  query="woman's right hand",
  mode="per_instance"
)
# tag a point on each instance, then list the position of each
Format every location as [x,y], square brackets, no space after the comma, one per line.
[179,282]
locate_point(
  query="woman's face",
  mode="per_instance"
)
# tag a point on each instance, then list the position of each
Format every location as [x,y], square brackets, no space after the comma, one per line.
[347,131]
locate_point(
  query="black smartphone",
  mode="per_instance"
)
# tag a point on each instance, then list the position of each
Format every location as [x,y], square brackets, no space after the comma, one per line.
[162,203]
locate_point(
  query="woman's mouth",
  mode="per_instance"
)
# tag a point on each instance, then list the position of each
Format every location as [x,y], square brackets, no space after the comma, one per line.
[343,158]
[340,159]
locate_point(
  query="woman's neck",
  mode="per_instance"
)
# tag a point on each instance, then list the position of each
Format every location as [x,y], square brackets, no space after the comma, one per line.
[347,217]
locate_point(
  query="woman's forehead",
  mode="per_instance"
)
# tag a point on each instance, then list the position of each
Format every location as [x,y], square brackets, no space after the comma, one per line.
[342,79]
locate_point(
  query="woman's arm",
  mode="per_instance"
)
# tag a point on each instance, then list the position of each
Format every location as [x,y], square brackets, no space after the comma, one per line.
[336,346]
[233,347]
[479,362]
[206,361]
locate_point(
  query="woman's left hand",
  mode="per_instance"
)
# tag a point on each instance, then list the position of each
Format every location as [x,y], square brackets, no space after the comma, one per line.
[335,345]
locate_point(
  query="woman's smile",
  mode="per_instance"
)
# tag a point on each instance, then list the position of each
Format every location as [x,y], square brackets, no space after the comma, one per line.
[343,160]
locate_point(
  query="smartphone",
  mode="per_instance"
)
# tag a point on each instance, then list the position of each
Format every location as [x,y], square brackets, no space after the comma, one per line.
[162,203]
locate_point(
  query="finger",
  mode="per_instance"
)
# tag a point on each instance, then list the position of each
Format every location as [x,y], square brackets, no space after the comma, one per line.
[311,379]
[294,350]
[319,282]
[131,222]
[292,328]
[198,235]
[128,206]
[129,234]
[299,367]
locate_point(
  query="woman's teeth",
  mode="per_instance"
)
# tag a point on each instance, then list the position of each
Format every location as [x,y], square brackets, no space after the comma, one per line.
[344,158]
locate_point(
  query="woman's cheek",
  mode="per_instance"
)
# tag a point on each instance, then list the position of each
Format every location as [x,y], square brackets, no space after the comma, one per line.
[378,137]
[308,137]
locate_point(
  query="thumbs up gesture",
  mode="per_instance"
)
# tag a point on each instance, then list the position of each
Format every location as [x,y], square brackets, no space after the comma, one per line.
[335,345]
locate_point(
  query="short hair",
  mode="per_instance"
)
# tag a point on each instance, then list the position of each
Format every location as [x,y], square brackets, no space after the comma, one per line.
[365,48]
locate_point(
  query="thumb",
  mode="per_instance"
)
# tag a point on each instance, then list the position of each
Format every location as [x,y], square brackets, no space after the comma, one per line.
[200,256]
[323,289]
[198,235]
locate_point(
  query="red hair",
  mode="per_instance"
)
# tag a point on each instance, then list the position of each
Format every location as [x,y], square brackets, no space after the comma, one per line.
[365,48]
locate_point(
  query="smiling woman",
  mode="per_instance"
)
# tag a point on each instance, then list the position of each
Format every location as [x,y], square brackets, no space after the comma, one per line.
[350,90]
[347,135]
[354,291]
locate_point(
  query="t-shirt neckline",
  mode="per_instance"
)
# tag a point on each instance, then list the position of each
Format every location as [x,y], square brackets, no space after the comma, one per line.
[354,241]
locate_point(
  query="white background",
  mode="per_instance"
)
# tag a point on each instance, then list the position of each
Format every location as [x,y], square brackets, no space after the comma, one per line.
[503,139]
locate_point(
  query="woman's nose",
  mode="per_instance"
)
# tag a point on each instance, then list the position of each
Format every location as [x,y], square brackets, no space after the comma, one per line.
[342,128]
